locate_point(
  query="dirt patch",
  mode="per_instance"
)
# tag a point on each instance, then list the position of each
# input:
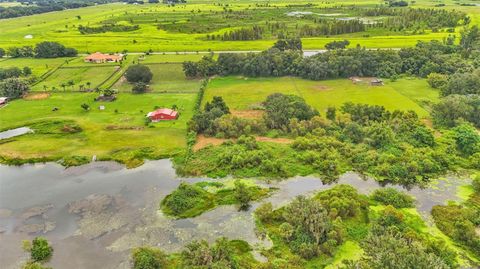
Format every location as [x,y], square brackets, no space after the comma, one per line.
[321,88]
[116,127]
[36,96]
[203,141]
[274,140]
[248,114]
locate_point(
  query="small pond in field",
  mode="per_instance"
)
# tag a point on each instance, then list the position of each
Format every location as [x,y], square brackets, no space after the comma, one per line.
[93,214]
[15,132]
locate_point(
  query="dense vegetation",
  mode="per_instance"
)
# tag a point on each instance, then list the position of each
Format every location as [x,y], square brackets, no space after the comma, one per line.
[390,146]
[190,200]
[461,221]
[42,50]
[107,28]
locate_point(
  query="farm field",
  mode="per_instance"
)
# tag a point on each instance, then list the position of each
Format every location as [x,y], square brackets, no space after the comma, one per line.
[185,27]
[173,58]
[39,66]
[247,93]
[118,132]
[168,77]
[79,75]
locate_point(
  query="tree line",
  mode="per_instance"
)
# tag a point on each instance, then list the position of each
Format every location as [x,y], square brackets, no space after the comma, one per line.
[110,27]
[44,49]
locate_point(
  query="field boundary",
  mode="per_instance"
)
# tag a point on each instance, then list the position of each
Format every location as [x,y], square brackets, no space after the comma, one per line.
[49,73]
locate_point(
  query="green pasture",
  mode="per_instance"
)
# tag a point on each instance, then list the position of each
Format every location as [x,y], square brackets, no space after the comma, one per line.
[118,132]
[247,93]
[168,77]
[182,28]
[79,75]
[38,66]
[172,58]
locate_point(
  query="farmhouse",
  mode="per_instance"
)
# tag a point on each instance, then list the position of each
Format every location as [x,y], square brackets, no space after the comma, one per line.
[162,114]
[99,57]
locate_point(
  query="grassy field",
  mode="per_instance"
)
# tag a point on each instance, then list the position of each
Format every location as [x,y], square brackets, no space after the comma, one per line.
[246,93]
[79,75]
[184,27]
[38,66]
[118,132]
[168,77]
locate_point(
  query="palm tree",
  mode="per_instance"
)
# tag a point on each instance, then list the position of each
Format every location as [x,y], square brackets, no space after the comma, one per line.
[71,83]
[64,85]
[45,88]
[89,84]
[81,87]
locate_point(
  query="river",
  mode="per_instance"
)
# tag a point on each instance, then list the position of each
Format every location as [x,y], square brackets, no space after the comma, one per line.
[93,214]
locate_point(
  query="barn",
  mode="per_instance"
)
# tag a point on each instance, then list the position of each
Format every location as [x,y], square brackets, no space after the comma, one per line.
[162,114]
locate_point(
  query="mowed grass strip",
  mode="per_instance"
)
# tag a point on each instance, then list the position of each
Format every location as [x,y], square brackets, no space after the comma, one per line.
[246,93]
[168,77]
[105,133]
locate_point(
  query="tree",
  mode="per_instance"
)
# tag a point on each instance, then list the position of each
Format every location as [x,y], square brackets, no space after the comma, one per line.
[148,258]
[331,113]
[85,106]
[139,87]
[281,108]
[41,250]
[13,88]
[242,195]
[2,53]
[476,184]
[337,45]
[264,212]
[27,71]
[288,44]
[436,80]
[467,139]
[379,246]
[138,73]
[48,49]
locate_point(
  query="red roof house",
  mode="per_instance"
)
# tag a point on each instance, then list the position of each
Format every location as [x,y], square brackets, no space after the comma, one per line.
[162,114]
[98,57]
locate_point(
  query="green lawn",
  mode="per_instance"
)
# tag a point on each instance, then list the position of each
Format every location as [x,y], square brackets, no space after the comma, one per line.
[168,77]
[118,132]
[246,93]
[172,58]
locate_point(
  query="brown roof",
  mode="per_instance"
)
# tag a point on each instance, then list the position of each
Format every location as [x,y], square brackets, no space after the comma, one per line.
[101,56]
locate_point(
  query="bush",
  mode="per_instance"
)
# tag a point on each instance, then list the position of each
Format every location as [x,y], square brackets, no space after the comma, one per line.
[148,258]
[41,251]
[390,196]
[436,80]
[138,73]
[139,87]
[476,184]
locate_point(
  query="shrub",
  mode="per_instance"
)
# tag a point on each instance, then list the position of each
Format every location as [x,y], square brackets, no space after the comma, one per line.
[41,250]
[390,196]
[148,258]
[139,87]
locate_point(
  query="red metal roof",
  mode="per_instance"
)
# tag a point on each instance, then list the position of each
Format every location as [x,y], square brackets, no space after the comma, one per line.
[163,111]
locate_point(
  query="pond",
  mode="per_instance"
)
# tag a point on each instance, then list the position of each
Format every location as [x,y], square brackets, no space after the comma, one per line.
[15,132]
[93,214]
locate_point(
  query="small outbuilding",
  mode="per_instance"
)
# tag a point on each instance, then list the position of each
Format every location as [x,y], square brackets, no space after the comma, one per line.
[376,82]
[162,114]
[3,101]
